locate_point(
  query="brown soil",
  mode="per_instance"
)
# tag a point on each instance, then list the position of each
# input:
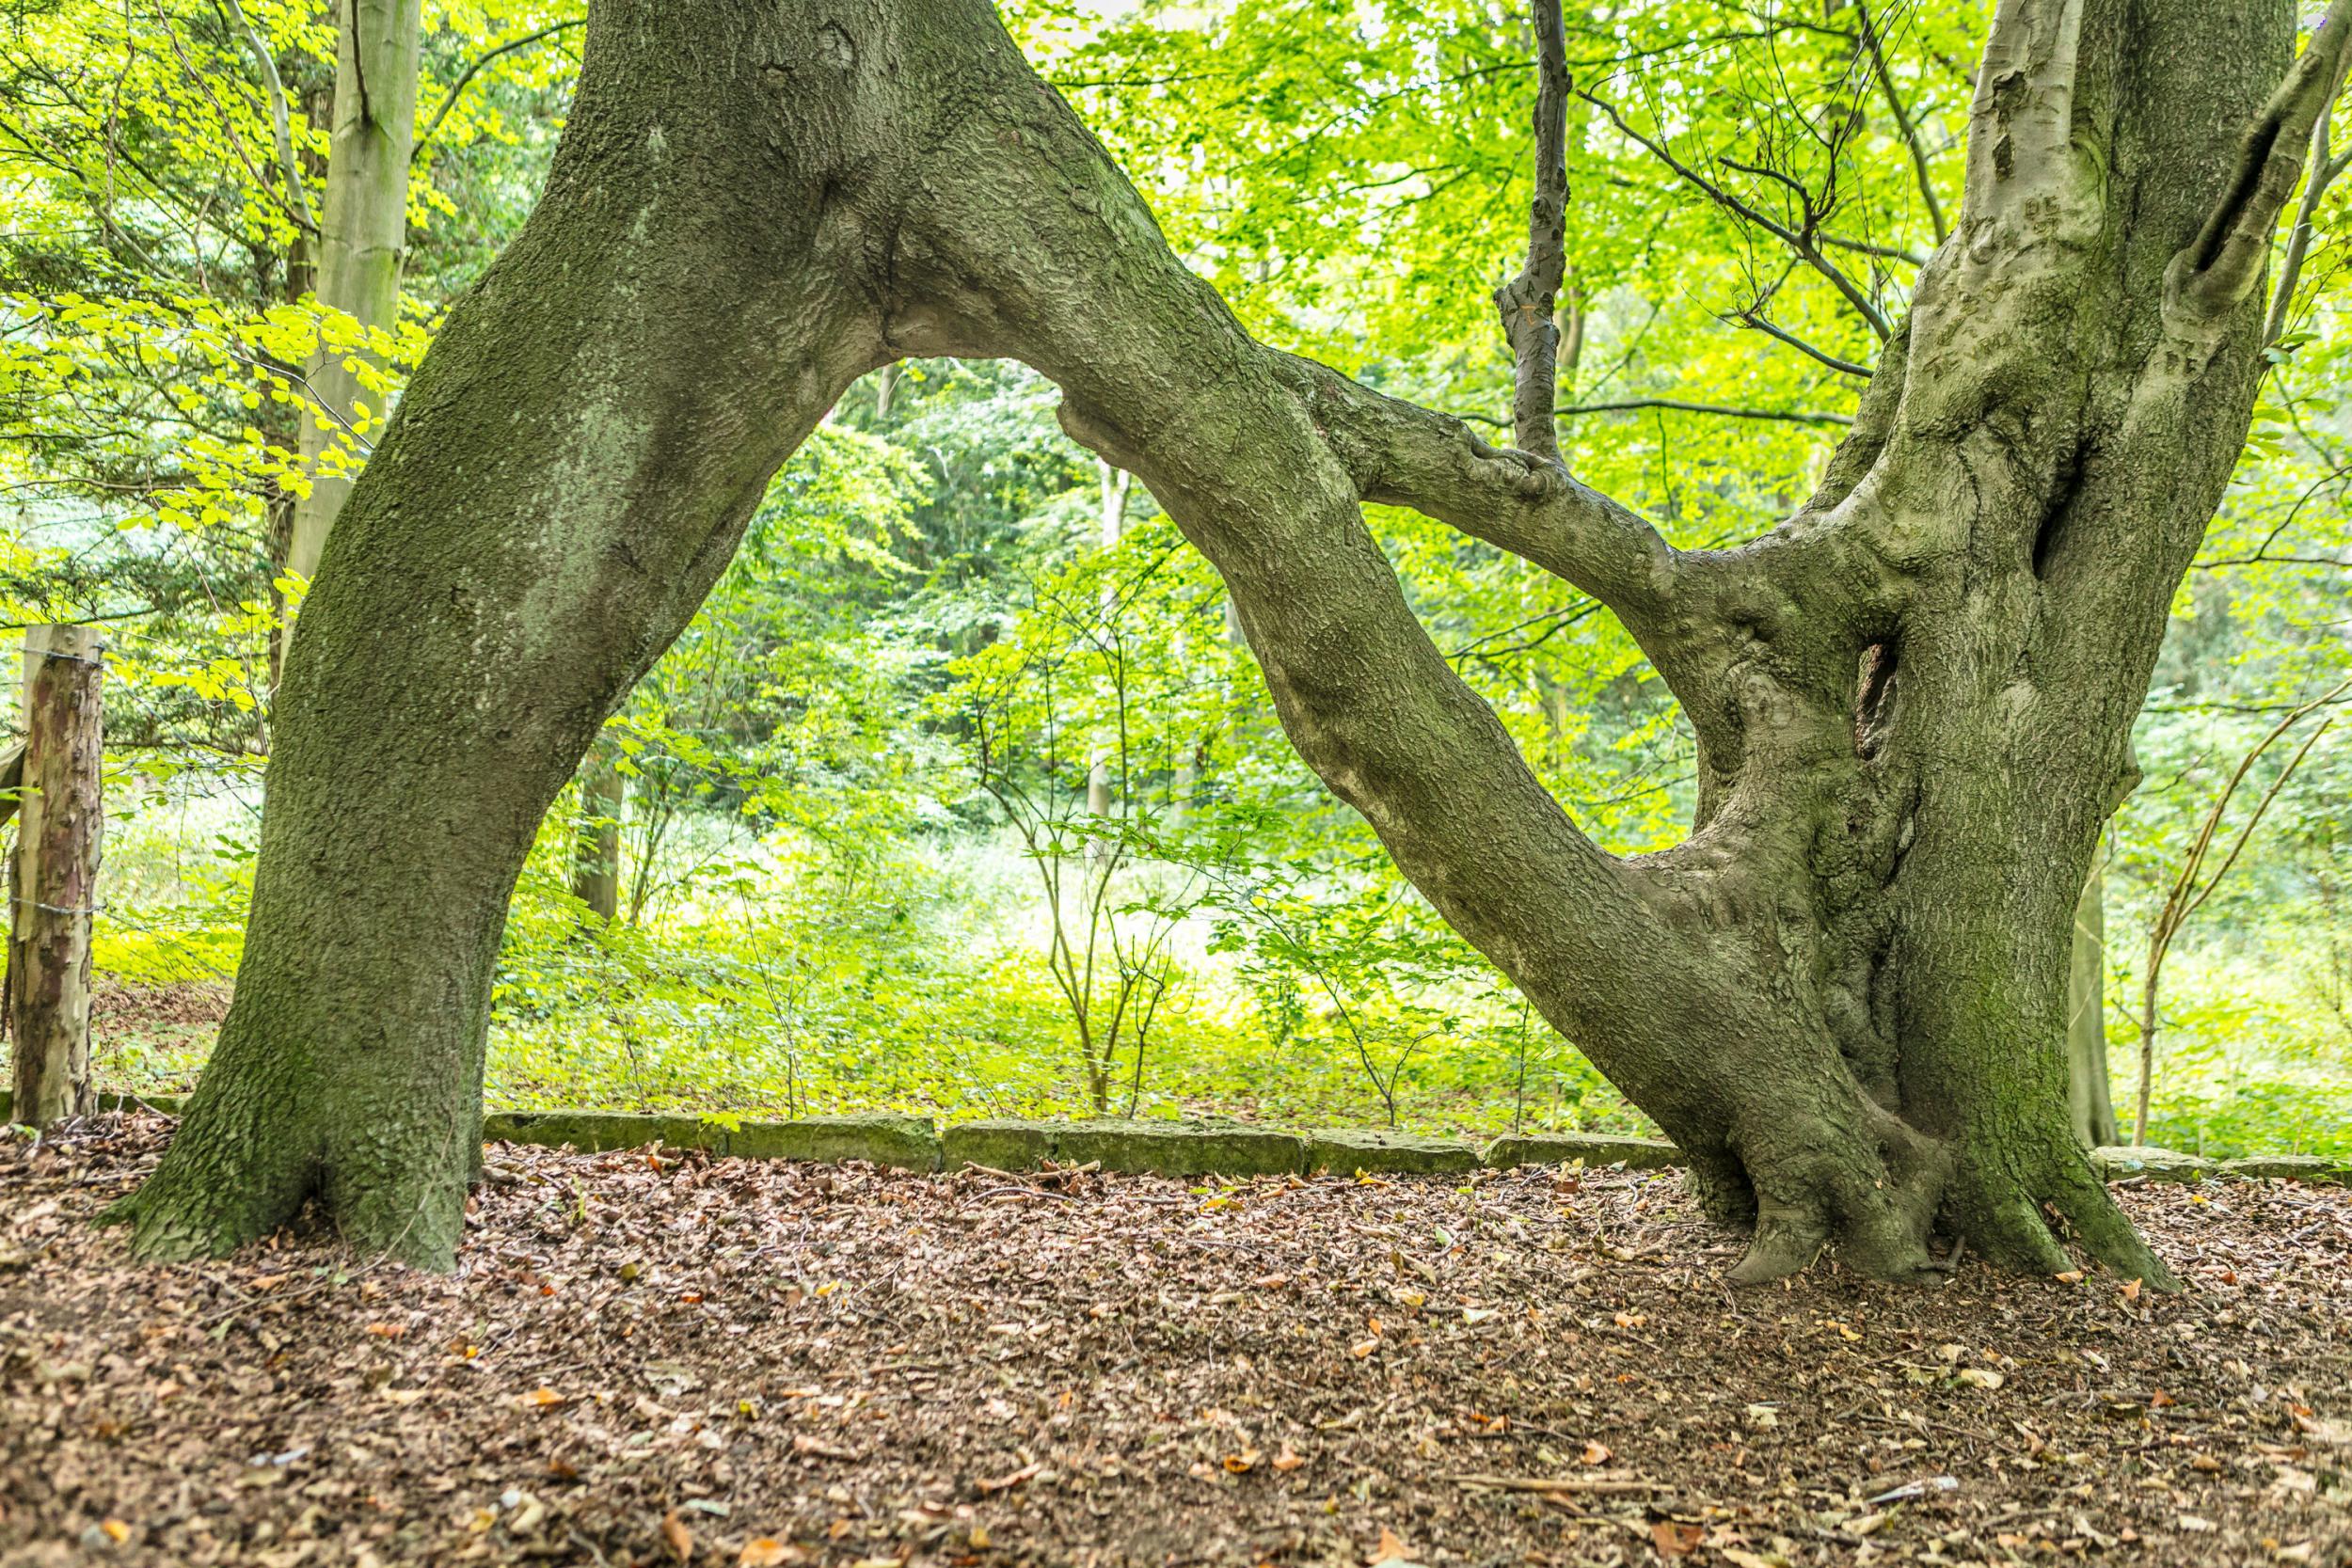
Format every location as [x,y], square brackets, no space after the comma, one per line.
[646,1360]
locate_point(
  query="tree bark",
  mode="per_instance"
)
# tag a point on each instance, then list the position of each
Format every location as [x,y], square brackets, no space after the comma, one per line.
[2089,1100]
[363,229]
[60,817]
[1844,994]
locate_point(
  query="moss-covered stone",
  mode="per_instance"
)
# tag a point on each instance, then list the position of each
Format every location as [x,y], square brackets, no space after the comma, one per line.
[2118,1162]
[2298,1167]
[1180,1149]
[1003,1144]
[1346,1150]
[885,1138]
[595,1131]
[1594,1148]
[167,1103]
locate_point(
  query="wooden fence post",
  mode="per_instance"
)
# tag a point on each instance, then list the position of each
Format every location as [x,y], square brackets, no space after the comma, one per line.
[53,883]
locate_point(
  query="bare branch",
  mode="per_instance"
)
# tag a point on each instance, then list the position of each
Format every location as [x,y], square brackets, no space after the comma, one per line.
[1904,125]
[1675,405]
[2222,265]
[465,78]
[1805,247]
[1872,248]
[1528,300]
[2326,170]
[1764,324]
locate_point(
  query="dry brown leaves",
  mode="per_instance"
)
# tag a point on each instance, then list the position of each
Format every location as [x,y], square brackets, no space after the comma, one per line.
[648,1359]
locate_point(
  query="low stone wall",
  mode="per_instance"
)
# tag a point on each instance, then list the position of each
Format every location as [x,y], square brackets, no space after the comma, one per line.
[1182,1149]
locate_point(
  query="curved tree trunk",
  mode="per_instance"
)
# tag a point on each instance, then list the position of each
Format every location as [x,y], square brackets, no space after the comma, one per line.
[1844,996]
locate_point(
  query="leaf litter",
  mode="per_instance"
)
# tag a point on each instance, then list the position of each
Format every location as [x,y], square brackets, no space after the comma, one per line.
[658,1358]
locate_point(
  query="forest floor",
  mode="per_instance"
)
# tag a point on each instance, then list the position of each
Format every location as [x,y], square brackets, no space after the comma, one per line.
[645,1360]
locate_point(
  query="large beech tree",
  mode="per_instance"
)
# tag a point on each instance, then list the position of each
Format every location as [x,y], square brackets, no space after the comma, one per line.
[1843,995]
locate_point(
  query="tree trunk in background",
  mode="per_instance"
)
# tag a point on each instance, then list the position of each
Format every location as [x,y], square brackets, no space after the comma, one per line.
[61,817]
[291,424]
[597,846]
[1844,996]
[2087,1091]
[363,231]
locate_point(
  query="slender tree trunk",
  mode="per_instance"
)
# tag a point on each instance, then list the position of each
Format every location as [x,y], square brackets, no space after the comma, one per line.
[363,229]
[291,425]
[597,846]
[2088,1100]
[1845,995]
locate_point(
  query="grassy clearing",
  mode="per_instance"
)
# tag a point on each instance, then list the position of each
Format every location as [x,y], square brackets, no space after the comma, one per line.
[916,981]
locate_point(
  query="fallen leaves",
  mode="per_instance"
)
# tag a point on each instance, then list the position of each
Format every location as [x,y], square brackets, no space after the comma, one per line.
[1007,1483]
[839,1383]
[1675,1539]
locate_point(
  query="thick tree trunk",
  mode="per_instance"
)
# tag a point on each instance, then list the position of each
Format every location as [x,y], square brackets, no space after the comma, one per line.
[568,473]
[363,229]
[1844,996]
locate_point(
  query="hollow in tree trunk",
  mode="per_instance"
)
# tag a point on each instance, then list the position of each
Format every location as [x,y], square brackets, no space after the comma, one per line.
[1844,994]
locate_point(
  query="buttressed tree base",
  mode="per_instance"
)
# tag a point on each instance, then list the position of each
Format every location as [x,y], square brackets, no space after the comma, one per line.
[1843,996]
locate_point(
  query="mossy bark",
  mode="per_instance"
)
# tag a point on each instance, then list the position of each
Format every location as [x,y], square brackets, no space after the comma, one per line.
[1843,996]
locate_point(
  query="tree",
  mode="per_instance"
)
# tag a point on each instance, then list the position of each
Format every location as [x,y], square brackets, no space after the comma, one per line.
[362,232]
[1843,995]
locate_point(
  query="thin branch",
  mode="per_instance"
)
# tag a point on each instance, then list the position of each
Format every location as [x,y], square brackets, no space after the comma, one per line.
[279,124]
[1400,454]
[1904,125]
[1872,248]
[1527,301]
[2325,172]
[1765,324]
[1789,415]
[465,77]
[1803,244]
